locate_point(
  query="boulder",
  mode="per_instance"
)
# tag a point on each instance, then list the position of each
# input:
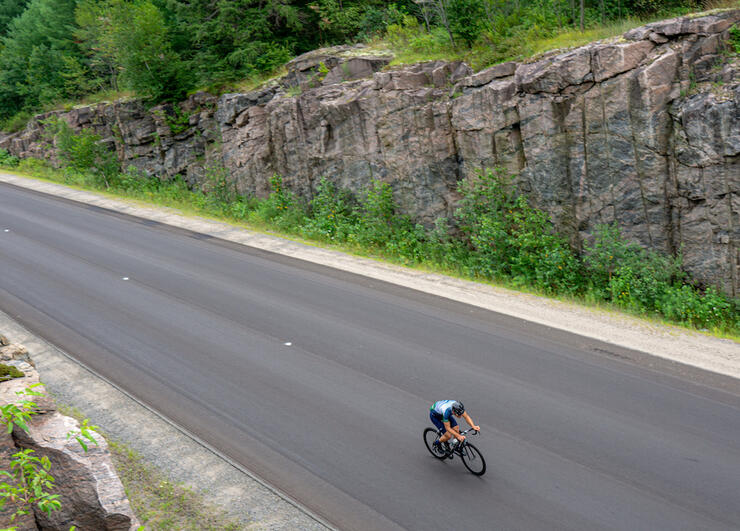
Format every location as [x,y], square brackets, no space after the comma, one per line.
[91,494]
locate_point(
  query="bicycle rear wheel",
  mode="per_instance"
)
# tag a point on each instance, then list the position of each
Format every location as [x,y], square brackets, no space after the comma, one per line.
[473,459]
[430,435]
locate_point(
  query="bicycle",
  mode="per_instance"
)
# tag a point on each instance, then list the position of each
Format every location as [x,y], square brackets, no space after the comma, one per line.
[470,455]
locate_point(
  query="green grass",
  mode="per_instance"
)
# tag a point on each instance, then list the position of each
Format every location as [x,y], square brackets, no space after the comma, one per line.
[411,43]
[194,203]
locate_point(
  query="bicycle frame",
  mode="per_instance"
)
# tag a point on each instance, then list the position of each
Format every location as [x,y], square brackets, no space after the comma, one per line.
[459,446]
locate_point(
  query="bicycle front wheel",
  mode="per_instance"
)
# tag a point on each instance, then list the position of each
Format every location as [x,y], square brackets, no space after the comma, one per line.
[473,460]
[430,435]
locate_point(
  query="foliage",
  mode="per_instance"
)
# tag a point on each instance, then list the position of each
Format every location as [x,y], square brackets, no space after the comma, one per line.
[84,435]
[83,151]
[134,43]
[28,482]
[61,50]
[332,217]
[512,239]
[32,59]
[495,235]
[19,413]
[16,122]
[734,40]
[709,309]
[8,160]
[10,9]
[466,18]
[281,207]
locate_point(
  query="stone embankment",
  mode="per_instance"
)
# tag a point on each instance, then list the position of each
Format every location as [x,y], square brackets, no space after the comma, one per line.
[643,130]
[91,494]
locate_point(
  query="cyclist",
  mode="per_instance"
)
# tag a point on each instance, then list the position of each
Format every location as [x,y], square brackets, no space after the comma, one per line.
[442,414]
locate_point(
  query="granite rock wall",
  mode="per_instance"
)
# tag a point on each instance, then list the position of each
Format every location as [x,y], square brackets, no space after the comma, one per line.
[643,130]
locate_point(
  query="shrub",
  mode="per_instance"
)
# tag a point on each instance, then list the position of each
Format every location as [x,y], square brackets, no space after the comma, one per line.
[376,216]
[281,207]
[219,187]
[735,38]
[16,122]
[6,159]
[331,214]
[510,239]
[83,151]
[627,274]
[710,309]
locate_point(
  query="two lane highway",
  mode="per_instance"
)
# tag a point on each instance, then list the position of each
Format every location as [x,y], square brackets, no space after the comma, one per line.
[320,382]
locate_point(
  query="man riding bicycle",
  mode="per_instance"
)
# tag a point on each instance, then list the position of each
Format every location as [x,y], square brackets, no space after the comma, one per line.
[442,414]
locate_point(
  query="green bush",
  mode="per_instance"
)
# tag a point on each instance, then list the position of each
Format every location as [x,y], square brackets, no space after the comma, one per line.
[376,216]
[83,151]
[625,273]
[332,217]
[734,40]
[711,309]
[17,122]
[6,159]
[281,207]
[510,239]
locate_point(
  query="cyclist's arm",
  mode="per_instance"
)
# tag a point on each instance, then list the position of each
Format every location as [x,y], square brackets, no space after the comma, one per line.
[470,421]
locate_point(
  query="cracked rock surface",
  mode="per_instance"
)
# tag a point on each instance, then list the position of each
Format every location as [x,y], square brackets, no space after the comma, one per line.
[643,130]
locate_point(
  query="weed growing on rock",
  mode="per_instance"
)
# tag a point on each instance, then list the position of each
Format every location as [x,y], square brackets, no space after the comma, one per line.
[8,372]
[28,481]
[6,159]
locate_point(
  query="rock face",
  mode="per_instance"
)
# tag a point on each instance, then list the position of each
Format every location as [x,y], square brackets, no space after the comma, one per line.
[643,130]
[91,495]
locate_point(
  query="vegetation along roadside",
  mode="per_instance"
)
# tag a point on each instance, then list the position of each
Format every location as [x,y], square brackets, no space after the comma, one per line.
[494,235]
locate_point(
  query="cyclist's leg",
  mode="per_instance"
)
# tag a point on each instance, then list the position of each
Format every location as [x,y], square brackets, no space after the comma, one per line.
[437,421]
[453,425]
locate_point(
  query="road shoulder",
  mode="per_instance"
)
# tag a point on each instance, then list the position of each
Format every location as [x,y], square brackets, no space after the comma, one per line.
[680,345]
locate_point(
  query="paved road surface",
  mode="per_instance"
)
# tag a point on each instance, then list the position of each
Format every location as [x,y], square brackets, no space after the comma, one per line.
[320,382]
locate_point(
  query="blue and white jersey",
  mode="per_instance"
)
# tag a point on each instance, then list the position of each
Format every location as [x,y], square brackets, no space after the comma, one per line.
[443,408]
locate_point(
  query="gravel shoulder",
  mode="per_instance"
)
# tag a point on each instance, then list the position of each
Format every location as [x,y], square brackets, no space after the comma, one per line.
[258,506]
[669,342]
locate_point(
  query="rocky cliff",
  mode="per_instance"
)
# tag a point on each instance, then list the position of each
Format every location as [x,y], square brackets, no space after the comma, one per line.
[642,129]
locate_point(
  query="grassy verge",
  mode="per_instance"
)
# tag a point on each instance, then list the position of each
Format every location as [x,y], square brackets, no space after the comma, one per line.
[158,502]
[410,42]
[505,242]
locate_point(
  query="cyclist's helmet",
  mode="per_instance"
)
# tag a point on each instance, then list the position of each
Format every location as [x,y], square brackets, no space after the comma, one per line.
[458,408]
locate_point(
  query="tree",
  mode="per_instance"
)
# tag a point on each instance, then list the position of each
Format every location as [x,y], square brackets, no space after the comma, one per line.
[9,9]
[442,7]
[131,41]
[33,59]
[465,19]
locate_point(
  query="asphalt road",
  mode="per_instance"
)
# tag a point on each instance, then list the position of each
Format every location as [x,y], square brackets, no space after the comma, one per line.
[320,382]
